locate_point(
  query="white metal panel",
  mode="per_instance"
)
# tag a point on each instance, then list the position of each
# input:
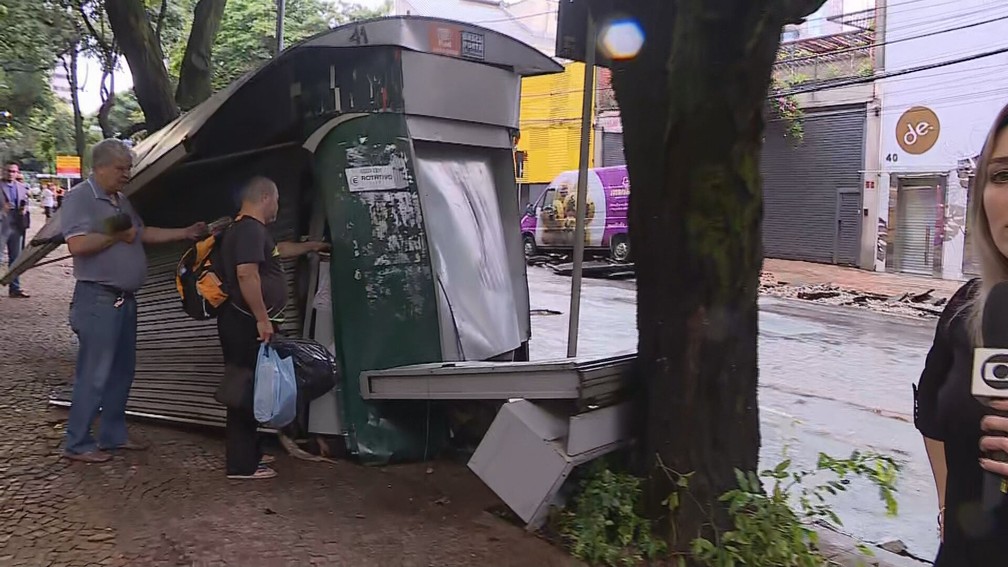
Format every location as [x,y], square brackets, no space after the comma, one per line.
[524,460]
[468,252]
[520,459]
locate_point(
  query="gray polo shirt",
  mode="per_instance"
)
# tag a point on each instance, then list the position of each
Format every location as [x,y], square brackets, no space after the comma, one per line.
[121,266]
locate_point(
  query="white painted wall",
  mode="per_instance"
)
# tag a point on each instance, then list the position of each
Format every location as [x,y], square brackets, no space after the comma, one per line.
[966,97]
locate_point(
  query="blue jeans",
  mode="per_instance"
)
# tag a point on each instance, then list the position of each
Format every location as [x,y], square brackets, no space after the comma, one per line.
[106,362]
[15,240]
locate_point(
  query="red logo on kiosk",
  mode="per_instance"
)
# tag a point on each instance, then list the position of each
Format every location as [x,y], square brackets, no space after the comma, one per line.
[445,40]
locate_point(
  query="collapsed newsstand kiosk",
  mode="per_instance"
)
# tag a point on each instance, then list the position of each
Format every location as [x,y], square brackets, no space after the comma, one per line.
[393,139]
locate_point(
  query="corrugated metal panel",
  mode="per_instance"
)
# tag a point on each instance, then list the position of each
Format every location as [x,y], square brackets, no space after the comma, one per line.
[801,180]
[971,259]
[179,361]
[612,149]
[915,230]
[550,124]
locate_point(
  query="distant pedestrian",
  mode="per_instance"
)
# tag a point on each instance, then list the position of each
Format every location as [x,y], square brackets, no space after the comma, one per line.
[48,200]
[60,192]
[106,237]
[251,269]
[15,228]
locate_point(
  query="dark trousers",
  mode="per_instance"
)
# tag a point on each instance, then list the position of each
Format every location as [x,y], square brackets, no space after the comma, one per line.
[987,552]
[240,342]
[15,243]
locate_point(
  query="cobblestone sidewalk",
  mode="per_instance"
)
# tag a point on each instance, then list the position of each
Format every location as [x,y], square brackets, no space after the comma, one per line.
[172,505]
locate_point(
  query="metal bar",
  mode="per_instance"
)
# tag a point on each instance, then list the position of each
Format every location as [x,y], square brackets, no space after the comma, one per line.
[236,155]
[53,261]
[281,6]
[582,188]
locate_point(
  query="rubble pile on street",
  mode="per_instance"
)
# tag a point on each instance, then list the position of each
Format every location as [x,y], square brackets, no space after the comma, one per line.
[924,304]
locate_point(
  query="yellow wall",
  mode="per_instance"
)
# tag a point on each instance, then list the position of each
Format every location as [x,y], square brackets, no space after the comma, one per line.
[550,124]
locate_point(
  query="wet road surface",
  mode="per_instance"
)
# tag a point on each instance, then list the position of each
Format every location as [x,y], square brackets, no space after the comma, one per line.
[832,380]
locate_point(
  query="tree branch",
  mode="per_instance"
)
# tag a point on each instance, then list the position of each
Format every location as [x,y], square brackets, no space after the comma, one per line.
[15,68]
[100,38]
[133,129]
[194,84]
[131,27]
[160,20]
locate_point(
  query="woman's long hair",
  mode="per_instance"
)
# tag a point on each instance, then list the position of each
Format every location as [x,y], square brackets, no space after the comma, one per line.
[993,264]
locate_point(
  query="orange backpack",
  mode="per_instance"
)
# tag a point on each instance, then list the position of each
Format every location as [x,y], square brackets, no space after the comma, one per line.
[197,279]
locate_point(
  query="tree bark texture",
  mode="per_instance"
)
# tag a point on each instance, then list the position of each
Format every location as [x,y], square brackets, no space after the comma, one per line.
[79,140]
[691,104]
[138,43]
[109,99]
[196,73]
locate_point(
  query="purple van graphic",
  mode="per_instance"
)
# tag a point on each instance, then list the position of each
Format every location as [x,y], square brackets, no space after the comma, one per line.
[549,223]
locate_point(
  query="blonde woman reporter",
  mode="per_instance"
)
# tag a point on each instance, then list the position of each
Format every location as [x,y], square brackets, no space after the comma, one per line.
[950,419]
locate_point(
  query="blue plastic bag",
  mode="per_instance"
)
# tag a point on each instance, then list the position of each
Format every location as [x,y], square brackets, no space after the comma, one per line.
[275,399]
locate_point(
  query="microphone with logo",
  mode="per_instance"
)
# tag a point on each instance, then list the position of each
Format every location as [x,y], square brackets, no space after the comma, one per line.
[990,381]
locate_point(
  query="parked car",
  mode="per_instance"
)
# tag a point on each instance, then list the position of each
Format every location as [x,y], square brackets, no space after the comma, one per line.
[548,223]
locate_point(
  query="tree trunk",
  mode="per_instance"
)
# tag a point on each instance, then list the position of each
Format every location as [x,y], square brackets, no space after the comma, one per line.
[108,94]
[137,42]
[691,105]
[196,73]
[79,140]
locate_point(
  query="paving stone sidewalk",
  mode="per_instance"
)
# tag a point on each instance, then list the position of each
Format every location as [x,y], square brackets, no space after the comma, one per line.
[172,505]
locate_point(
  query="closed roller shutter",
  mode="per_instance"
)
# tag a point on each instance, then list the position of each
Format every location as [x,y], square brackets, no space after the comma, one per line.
[915,230]
[801,183]
[179,361]
[612,149]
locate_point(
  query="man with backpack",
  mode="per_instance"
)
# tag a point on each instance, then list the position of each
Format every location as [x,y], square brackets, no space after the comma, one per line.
[252,275]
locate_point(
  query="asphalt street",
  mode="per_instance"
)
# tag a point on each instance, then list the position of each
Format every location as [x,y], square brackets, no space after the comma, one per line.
[832,380]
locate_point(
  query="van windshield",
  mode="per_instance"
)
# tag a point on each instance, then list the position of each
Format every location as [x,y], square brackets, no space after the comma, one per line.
[548,197]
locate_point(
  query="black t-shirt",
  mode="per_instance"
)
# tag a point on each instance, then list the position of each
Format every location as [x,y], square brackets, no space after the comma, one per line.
[248,241]
[945,410]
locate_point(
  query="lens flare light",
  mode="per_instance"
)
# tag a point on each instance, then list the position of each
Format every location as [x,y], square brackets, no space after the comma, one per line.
[621,39]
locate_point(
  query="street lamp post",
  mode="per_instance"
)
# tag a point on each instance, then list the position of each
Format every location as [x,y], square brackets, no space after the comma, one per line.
[281,7]
[582,189]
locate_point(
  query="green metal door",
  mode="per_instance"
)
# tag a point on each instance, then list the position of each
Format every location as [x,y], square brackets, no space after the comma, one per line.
[384,307]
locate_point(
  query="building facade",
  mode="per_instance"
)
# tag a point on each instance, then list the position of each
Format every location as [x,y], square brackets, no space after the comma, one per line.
[813,181]
[550,129]
[934,123]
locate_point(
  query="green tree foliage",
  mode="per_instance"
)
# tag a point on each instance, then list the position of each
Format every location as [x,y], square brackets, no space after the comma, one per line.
[32,37]
[247,37]
[125,113]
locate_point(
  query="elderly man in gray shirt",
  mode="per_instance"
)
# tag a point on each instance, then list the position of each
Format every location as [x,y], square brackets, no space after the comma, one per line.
[106,238]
